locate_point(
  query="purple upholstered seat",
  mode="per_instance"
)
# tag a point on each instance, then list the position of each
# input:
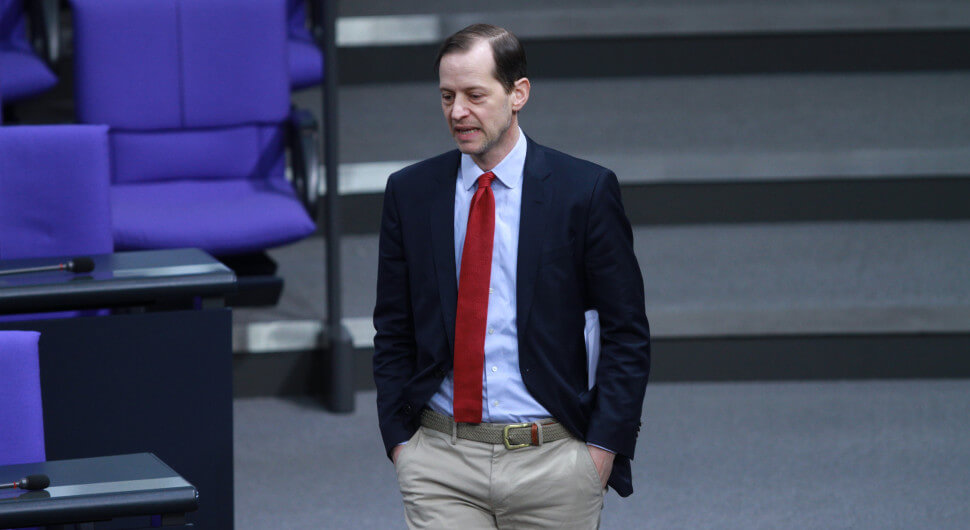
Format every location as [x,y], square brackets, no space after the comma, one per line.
[200,214]
[21,415]
[306,59]
[196,93]
[22,73]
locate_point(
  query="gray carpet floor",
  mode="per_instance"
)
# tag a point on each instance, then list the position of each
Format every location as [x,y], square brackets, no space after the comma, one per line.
[861,454]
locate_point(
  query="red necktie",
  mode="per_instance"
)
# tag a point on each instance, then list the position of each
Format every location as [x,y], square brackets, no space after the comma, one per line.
[472,313]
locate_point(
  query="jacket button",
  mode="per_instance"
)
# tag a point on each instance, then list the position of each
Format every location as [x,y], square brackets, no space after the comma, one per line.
[439,372]
[407,409]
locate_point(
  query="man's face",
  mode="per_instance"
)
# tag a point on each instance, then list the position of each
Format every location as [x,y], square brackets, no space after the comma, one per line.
[479,112]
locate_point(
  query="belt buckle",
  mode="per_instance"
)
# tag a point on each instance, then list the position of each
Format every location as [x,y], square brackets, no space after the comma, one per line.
[505,435]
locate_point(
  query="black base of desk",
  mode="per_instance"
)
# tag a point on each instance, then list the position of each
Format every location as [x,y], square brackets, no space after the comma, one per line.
[154,382]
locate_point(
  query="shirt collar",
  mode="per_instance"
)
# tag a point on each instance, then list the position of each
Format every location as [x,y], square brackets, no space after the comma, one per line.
[508,171]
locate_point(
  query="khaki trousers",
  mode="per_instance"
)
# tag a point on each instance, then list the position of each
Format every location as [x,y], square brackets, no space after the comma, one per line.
[472,485]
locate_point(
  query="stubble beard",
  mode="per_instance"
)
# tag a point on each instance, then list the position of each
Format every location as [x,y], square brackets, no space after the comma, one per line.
[488,142]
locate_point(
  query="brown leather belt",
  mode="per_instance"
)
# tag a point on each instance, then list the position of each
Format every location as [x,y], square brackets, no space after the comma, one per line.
[512,435]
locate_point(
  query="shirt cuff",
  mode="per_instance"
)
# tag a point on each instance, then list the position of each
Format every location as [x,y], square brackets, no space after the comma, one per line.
[603,448]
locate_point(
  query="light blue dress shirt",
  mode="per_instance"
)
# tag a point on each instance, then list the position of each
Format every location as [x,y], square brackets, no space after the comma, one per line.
[504,396]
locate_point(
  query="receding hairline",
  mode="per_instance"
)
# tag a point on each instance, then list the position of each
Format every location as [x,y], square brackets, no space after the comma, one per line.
[467,39]
[474,42]
[474,45]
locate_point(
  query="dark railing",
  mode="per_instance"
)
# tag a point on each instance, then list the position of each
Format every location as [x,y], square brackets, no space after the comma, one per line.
[340,377]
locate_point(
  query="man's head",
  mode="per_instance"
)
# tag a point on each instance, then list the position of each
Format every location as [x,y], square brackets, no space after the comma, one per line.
[483,83]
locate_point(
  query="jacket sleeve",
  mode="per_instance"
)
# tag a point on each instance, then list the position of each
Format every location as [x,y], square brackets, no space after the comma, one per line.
[614,287]
[394,343]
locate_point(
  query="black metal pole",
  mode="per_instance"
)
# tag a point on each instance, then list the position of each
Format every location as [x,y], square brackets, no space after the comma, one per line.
[340,390]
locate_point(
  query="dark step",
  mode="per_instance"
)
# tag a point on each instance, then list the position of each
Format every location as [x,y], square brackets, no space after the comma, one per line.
[397,42]
[587,57]
[375,21]
[925,198]
[846,357]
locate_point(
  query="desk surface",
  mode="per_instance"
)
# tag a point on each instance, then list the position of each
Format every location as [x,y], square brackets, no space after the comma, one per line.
[91,489]
[122,278]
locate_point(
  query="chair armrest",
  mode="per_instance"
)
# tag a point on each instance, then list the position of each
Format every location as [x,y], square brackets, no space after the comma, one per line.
[44,19]
[315,16]
[305,149]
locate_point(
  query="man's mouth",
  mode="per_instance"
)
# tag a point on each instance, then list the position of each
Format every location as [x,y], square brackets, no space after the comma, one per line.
[466,132]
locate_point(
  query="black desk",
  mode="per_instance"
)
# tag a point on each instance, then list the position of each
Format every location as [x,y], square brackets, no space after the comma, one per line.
[96,489]
[154,376]
[133,279]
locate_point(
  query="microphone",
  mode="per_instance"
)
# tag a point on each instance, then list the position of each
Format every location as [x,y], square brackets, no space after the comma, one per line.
[30,482]
[76,265]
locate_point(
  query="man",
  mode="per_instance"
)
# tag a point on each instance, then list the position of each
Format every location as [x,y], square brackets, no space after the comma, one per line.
[489,257]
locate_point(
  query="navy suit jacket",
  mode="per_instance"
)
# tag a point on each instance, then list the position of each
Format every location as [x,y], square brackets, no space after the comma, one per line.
[575,253]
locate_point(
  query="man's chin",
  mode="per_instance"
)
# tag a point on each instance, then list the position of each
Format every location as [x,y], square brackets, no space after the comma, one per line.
[469,148]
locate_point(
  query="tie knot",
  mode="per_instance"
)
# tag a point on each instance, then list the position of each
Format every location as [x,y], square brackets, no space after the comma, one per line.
[485,180]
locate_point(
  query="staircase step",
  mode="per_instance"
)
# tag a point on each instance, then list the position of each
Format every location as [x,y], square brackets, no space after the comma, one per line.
[702,129]
[383,42]
[712,281]
[368,23]
[750,148]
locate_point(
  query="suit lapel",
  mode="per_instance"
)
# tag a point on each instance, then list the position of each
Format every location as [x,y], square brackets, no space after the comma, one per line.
[532,226]
[443,243]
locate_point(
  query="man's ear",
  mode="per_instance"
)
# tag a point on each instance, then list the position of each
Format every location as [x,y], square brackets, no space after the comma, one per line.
[520,93]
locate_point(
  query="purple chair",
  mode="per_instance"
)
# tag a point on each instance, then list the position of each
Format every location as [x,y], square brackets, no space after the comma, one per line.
[21,415]
[22,73]
[196,93]
[306,59]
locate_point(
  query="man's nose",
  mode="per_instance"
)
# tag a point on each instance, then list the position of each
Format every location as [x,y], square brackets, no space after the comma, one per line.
[458,110]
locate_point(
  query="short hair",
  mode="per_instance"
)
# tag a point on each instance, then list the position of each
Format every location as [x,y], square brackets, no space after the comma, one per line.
[507,51]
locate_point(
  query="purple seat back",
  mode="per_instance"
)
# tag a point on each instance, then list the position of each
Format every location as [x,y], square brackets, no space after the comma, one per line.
[306,59]
[13,34]
[22,73]
[296,20]
[21,413]
[191,89]
[54,191]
